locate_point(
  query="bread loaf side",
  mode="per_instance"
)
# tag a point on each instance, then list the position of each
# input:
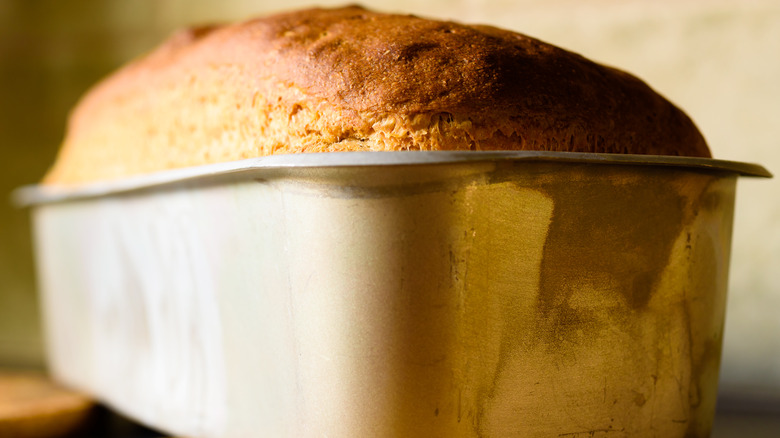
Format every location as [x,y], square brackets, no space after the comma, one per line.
[348,79]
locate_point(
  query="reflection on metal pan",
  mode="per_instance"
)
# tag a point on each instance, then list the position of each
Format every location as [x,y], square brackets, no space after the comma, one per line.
[413,294]
[41,194]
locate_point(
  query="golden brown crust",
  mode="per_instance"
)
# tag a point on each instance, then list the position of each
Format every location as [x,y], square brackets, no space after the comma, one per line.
[349,79]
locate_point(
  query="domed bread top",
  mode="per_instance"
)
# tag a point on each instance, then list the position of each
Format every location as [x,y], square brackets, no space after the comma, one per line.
[349,79]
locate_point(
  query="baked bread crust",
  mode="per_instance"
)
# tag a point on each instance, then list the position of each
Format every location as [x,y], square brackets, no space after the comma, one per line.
[348,79]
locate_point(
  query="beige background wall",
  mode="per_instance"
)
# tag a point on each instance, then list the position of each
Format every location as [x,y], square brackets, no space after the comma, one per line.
[719,60]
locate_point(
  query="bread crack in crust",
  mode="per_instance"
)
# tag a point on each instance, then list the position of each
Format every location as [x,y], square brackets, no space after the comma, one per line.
[348,79]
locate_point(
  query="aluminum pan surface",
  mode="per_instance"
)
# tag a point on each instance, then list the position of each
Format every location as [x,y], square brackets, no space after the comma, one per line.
[33,195]
[484,299]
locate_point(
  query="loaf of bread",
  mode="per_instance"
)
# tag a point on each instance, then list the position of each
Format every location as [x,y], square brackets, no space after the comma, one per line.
[348,79]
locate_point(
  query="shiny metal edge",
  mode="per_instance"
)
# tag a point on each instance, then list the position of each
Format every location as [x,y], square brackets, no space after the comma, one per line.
[38,194]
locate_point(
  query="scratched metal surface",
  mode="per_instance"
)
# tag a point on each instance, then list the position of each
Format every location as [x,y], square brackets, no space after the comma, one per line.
[468,299]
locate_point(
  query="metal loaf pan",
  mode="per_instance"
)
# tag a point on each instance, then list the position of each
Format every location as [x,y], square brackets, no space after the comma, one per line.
[414,294]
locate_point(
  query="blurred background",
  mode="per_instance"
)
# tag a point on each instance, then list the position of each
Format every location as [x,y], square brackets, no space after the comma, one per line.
[719,60]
